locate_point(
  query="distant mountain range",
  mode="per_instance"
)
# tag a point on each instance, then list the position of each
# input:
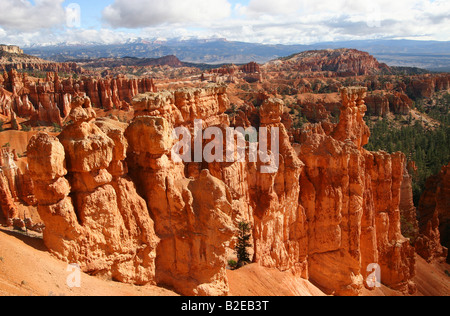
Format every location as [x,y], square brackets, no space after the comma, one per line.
[430,55]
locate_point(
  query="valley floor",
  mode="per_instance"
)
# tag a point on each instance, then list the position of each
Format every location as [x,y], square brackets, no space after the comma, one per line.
[27,269]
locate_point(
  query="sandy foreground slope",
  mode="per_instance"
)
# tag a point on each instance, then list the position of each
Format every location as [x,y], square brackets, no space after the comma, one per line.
[254,280]
[28,269]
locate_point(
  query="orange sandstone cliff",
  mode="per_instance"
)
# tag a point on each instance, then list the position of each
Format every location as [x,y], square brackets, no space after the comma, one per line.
[351,197]
[92,213]
[49,100]
[433,214]
[114,201]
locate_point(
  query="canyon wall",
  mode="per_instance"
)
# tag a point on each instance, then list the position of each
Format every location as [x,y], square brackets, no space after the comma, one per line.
[93,216]
[11,49]
[48,100]
[408,211]
[434,217]
[382,103]
[13,58]
[351,197]
[425,86]
[41,66]
[115,201]
[17,188]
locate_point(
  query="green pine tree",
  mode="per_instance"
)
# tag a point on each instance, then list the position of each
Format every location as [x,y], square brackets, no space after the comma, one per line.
[243,244]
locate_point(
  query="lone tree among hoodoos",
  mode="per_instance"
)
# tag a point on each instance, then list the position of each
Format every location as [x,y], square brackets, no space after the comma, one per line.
[243,244]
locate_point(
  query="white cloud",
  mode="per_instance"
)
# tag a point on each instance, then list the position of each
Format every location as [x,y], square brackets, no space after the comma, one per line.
[106,36]
[144,13]
[271,7]
[24,15]
[307,21]
[70,36]
[262,21]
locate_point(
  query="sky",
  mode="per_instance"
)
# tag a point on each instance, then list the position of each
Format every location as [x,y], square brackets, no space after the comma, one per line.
[45,22]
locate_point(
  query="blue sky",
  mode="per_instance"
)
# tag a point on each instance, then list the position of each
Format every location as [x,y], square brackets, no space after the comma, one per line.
[31,22]
[91,11]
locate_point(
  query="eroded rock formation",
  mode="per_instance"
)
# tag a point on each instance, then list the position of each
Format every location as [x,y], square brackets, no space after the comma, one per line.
[11,49]
[280,221]
[16,187]
[9,209]
[408,211]
[425,86]
[434,219]
[115,201]
[93,218]
[183,106]
[192,216]
[338,62]
[49,100]
[250,68]
[13,58]
[351,198]
[381,103]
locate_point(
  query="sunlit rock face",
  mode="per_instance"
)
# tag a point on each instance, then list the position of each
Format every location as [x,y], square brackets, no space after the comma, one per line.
[93,217]
[351,198]
[433,214]
[49,100]
[115,201]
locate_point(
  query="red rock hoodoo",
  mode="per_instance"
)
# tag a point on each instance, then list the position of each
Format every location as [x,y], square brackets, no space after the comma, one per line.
[49,100]
[433,214]
[114,201]
[92,213]
[351,198]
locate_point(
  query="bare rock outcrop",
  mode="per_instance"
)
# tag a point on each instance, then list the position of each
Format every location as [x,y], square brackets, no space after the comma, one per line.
[48,100]
[9,209]
[433,214]
[382,103]
[326,216]
[94,217]
[279,219]
[250,68]
[337,62]
[11,49]
[115,200]
[351,198]
[16,188]
[192,217]
[408,211]
[183,106]
[332,213]
[425,86]
[91,217]
[378,105]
